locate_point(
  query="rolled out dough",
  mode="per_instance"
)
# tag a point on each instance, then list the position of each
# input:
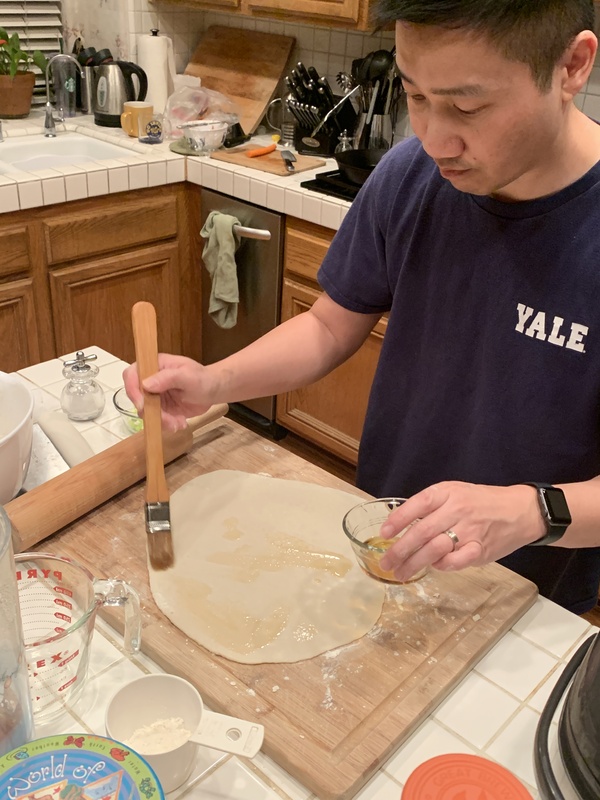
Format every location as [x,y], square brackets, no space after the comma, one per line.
[263,571]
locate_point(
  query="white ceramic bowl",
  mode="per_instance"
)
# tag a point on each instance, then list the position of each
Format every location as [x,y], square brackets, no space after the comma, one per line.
[16,431]
[206,135]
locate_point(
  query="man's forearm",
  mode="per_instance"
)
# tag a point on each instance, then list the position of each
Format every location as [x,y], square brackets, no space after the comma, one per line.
[296,353]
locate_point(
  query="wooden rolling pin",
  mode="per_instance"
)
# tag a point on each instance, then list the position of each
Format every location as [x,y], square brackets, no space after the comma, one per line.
[61,500]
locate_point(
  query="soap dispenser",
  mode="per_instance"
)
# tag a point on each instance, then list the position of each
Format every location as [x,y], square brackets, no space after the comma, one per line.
[82,398]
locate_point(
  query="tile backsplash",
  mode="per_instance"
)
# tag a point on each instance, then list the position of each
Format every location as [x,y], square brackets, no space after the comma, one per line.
[117,23]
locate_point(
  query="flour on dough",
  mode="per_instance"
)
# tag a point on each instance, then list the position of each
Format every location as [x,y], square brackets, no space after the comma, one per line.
[263,571]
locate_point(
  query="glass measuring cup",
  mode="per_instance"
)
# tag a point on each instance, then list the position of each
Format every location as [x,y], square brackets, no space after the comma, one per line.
[16,719]
[59,600]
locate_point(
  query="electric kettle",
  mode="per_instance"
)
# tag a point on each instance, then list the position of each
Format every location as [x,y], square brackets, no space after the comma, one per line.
[578,727]
[113,86]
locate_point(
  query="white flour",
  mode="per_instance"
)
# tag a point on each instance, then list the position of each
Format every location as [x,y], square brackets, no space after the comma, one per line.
[159,737]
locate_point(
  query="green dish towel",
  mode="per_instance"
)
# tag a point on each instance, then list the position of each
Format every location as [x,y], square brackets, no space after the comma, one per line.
[219,259]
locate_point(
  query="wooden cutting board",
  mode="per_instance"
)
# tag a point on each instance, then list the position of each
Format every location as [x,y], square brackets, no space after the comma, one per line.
[272,162]
[246,66]
[333,720]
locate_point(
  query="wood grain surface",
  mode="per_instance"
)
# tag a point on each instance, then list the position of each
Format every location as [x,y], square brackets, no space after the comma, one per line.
[331,721]
[272,162]
[244,65]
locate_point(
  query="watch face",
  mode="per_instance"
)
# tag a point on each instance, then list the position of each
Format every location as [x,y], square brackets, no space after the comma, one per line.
[556,505]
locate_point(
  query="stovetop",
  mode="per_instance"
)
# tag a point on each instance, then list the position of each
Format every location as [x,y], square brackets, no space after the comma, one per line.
[333,184]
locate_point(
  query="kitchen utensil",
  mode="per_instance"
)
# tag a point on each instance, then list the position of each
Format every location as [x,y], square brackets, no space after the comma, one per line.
[79,765]
[16,431]
[379,64]
[65,437]
[244,65]
[348,709]
[333,110]
[289,159]
[378,136]
[157,509]
[272,162]
[16,717]
[362,525]
[578,727]
[357,165]
[113,87]
[153,699]
[46,509]
[285,124]
[59,600]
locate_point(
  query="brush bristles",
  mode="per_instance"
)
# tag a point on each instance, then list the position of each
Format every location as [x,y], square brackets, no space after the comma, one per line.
[160,549]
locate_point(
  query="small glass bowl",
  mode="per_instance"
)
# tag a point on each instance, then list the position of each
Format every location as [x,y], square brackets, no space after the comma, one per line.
[127,411]
[362,525]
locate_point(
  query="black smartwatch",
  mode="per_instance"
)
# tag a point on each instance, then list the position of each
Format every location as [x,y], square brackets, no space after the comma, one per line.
[555,512]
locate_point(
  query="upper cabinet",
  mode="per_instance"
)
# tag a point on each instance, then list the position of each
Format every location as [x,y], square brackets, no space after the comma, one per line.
[353,14]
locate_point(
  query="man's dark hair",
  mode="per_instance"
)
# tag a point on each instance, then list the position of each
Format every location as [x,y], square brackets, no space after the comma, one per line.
[534,32]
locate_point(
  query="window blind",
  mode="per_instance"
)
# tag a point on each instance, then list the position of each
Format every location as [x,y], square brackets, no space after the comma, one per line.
[39,25]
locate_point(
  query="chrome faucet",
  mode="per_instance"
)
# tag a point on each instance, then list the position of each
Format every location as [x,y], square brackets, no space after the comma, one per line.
[50,119]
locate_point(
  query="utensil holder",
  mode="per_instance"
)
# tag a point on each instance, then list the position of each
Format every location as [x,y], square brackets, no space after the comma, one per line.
[326,140]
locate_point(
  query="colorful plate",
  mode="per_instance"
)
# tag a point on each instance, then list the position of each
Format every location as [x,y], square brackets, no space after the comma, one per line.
[76,767]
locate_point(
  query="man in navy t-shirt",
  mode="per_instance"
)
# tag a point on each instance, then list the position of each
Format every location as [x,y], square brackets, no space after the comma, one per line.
[480,239]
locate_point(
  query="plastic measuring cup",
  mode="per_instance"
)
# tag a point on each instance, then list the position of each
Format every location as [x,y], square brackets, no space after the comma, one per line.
[59,600]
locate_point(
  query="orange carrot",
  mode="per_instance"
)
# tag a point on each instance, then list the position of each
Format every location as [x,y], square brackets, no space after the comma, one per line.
[261,151]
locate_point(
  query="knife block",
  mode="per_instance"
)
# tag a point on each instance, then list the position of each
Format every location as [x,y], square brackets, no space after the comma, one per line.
[327,139]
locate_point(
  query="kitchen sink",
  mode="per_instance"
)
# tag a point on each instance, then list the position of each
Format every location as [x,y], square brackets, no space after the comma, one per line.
[36,151]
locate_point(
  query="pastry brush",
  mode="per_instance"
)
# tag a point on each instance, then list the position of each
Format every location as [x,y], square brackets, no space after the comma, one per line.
[157,508]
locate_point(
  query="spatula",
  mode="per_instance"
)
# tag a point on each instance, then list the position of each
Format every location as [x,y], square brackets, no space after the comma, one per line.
[157,508]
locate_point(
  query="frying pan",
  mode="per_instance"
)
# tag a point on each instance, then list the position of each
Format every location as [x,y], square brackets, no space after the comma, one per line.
[357,165]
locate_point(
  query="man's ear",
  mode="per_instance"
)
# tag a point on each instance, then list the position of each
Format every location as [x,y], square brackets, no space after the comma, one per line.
[576,63]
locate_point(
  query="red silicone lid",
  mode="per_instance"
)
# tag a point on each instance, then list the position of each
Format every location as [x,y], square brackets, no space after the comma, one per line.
[476,778]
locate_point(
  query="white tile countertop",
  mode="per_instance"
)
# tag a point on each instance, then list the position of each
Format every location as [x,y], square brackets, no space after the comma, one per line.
[155,165]
[493,712]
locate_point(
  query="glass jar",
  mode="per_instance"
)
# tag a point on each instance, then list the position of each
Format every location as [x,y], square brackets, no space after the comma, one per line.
[16,717]
[82,398]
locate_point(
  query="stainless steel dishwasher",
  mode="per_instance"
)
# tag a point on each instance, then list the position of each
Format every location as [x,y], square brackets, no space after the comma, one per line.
[259,260]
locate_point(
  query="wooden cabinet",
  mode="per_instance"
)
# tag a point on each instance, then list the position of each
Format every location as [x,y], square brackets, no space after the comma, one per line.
[73,271]
[352,14]
[331,411]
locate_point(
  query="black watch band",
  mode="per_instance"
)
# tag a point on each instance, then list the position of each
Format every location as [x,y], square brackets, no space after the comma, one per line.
[555,512]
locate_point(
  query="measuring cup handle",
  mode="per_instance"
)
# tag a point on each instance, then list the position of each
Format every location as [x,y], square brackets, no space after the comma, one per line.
[229,734]
[115,592]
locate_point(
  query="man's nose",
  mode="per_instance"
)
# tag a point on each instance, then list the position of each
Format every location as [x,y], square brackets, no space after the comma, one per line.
[440,140]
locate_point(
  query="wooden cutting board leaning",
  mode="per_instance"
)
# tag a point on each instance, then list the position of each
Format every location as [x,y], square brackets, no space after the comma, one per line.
[271,162]
[244,65]
[331,721]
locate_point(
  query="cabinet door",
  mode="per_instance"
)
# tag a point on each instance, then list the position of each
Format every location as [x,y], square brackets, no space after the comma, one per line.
[330,412]
[92,301]
[342,10]
[18,330]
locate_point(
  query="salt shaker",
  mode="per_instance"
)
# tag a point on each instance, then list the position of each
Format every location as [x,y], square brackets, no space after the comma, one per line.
[82,398]
[345,142]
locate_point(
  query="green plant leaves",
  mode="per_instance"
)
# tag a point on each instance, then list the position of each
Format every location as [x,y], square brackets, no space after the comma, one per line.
[12,57]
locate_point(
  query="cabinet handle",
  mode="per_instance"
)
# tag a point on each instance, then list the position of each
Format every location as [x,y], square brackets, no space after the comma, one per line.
[252,233]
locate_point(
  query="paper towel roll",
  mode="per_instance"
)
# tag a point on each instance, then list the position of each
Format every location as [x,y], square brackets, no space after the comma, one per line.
[155,56]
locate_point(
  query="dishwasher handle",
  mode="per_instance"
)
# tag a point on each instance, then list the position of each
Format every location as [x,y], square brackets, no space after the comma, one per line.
[252,233]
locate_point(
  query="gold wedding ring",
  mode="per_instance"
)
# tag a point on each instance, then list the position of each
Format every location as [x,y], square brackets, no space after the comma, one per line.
[453,538]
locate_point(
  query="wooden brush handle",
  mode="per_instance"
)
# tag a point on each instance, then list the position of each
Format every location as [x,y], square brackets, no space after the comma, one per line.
[143,318]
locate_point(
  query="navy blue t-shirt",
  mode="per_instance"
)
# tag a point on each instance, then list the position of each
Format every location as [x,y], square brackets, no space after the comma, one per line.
[490,367]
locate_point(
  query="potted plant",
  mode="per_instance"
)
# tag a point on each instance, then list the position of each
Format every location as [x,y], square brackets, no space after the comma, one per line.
[16,79]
